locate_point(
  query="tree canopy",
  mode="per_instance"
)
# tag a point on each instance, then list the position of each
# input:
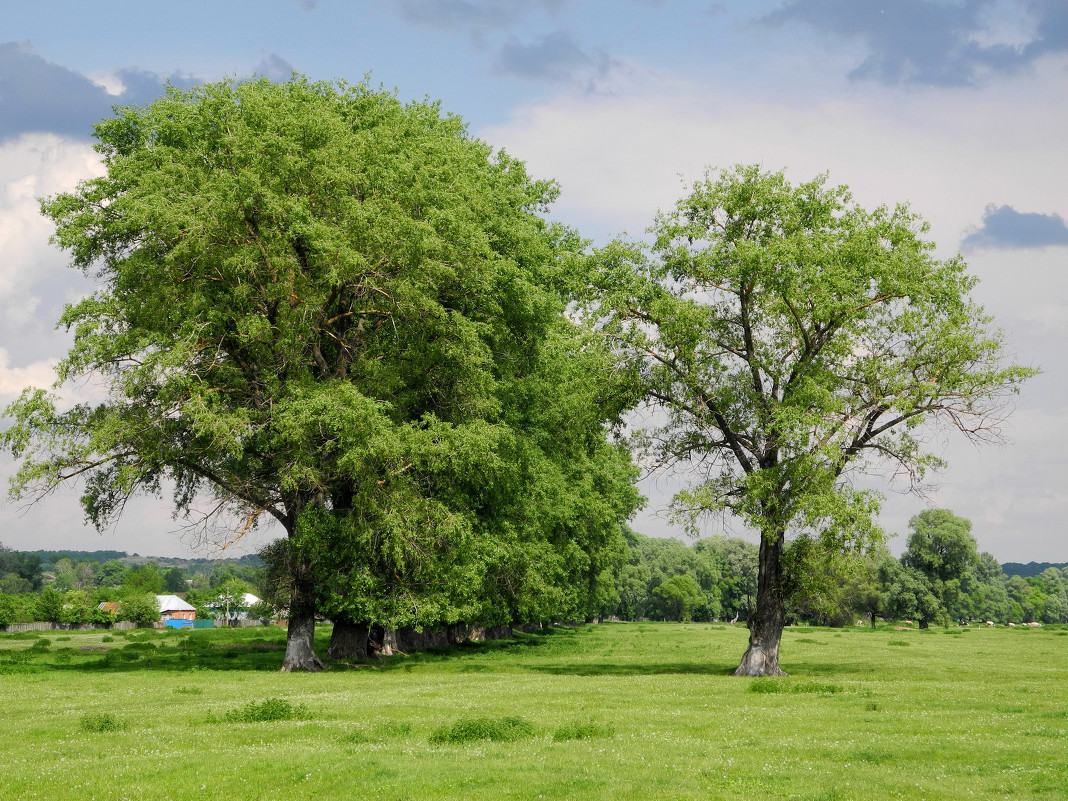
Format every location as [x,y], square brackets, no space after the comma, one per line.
[789,340]
[323,305]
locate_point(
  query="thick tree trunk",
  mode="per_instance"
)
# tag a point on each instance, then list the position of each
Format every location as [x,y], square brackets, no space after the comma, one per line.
[349,639]
[300,640]
[768,617]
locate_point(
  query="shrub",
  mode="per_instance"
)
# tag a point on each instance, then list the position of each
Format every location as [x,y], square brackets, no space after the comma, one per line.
[272,709]
[101,722]
[139,646]
[469,730]
[139,609]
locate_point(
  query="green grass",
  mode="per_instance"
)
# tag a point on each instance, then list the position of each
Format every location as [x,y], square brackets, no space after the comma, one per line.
[617,711]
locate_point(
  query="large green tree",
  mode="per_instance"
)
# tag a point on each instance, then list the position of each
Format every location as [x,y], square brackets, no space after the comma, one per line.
[315,303]
[942,549]
[788,339]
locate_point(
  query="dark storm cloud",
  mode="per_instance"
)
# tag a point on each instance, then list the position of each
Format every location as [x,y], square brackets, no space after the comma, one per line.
[1004,227]
[556,56]
[39,96]
[932,42]
[477,17]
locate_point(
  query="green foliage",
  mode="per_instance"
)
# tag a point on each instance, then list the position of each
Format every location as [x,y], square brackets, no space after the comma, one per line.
[7,610]
[677,596]
[49,606]
[317,303]
[787,338]
[174,581]
[468,730]
[98,722]
[139,609]
[267,711]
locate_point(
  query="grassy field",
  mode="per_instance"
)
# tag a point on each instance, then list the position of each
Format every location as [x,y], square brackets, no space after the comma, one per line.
[616,711]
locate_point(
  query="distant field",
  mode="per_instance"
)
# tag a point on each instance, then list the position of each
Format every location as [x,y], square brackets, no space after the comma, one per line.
[616,711]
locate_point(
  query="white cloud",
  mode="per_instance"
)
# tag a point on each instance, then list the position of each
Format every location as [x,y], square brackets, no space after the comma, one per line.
[108,81]
[34,280]
[14,379]
[619,157]
[949,154]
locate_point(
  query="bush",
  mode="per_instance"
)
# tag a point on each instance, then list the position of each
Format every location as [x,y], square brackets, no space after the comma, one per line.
[272,709]
[473,729]
[140,609]
[101,722]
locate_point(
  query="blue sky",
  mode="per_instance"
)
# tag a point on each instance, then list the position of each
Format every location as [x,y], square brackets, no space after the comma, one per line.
[959,108]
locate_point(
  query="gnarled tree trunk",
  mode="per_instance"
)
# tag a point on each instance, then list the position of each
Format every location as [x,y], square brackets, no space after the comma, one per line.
[348,640]
[768,617]
[300,639]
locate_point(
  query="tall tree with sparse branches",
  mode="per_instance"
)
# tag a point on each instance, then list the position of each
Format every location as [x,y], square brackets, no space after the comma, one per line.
[787,341]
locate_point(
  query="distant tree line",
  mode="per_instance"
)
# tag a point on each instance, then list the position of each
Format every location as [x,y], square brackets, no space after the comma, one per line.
[941,578]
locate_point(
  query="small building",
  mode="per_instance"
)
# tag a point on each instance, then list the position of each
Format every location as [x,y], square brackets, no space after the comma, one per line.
[171,607]
[111,607]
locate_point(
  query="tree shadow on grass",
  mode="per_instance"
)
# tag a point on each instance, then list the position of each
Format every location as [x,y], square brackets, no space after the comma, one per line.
[637,669]
[546,639]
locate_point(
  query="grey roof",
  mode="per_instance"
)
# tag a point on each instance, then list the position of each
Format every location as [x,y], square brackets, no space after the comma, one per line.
[172,603]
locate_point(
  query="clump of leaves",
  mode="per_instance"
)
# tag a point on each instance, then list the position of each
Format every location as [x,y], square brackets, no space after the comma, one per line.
[770,685]
[582,731]
[41,644]
[467,730]
[901,643]
[271,709]
[107,638]
[101,722]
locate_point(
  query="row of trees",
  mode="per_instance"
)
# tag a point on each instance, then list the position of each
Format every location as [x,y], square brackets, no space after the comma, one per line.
[941,578]
[322,305]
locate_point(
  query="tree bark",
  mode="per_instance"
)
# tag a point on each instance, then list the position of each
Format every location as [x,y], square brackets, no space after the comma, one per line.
[300,639]
[768,617]
[349,639]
